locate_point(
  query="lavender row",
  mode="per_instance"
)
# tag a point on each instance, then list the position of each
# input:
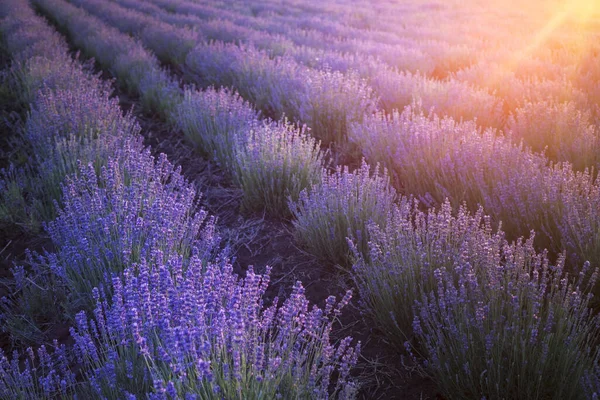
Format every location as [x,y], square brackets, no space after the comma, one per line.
[553,96]
[139,71]
[395,89]
[333,31]
[534,123]
[524,204]
[139,215]
[275,156]
[527,83]
[324,100]
[280,35]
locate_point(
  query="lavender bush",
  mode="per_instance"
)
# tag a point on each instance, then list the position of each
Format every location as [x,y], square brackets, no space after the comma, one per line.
[44,374]
[404,253]
[562,131]
[515,329]
[274,164]
[64,127]
[446,98]
[135,207]
[215,121]
[198,331]
[333,102]
[437,158]
[575,219]
[341,207]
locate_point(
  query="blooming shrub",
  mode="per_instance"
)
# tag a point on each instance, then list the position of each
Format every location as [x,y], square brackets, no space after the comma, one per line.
[46,374]
[404,253]
[446,98]
[575,220]
[560,130]
[215,121]
[333,102]
[135,207]
[514,329]
[197,331]
[65,127]
[274,164]
[436,159]
[341,207]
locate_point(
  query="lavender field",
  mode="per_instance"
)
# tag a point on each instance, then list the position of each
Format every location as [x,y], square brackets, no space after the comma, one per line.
[299,199]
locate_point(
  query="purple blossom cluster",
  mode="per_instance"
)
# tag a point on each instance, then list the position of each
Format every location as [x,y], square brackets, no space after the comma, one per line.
[65,127]
[136,207]
[195,330]
[274,164]
[404,253]
[341,207]
[517,328]
[215,122]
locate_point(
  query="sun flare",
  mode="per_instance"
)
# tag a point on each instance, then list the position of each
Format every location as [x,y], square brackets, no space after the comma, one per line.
[582,11]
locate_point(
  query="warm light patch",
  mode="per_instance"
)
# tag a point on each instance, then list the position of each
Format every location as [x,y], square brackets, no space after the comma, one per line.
[583,10]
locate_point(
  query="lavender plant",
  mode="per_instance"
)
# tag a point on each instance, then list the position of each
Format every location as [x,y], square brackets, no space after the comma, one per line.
[333,102]
[515,329]
[134,208]
[574,221]
[64,127]
[404,253]
[341,207]
[198,331]
[214,121]
[562,131]
[437,158]
[45,374]
[274,164]
[446,98]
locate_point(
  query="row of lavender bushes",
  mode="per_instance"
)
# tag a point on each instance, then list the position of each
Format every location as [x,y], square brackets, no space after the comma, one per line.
[496,183]
[140,259]
[523,96]
[283,85]
[279,166]
[325,51]
[574,139]
[360,198]
[310,30]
